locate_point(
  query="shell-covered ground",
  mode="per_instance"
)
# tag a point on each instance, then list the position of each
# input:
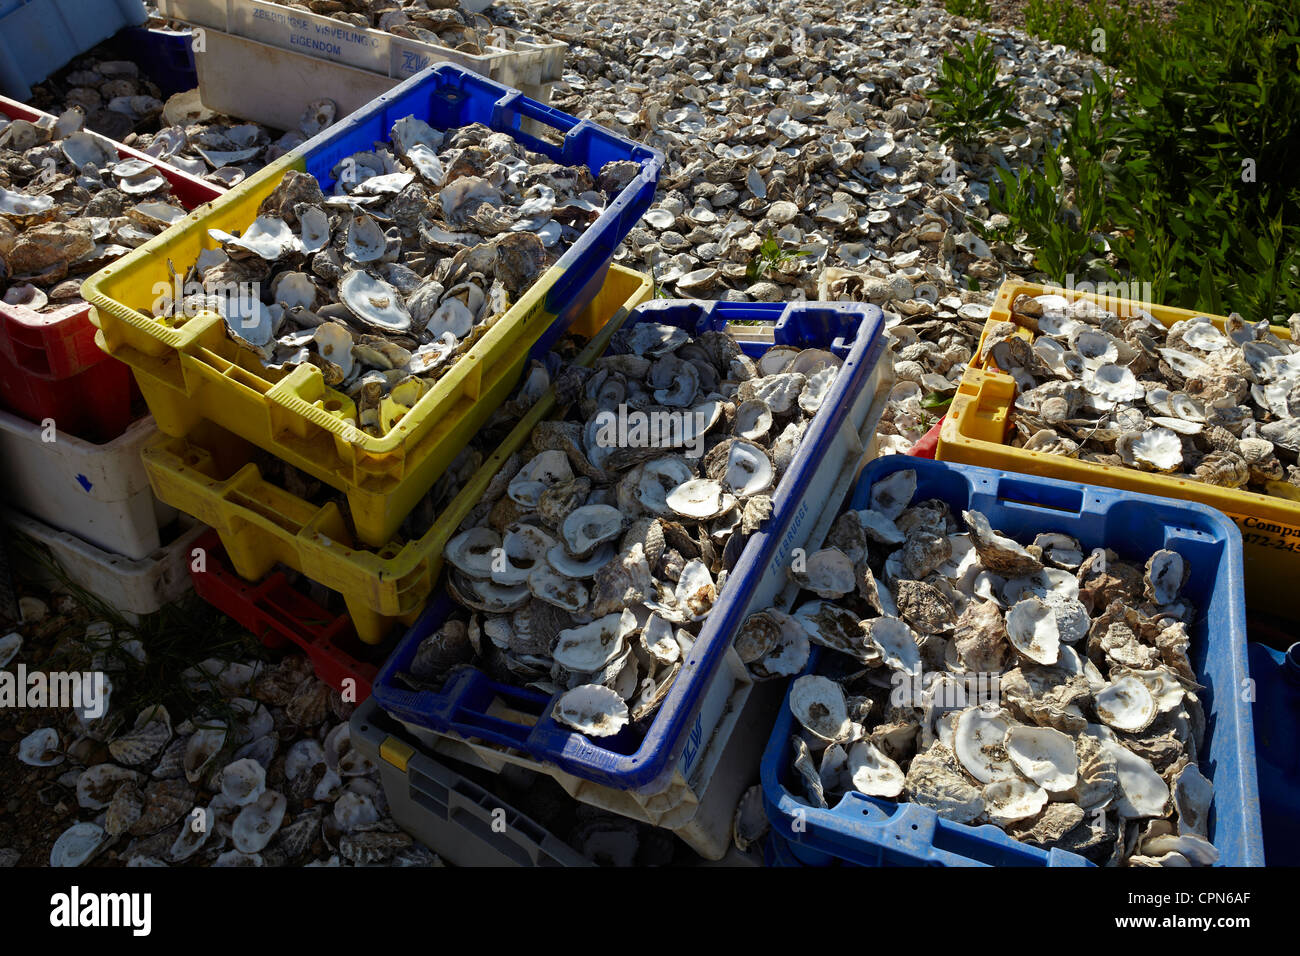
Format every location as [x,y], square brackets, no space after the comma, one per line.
[800,164]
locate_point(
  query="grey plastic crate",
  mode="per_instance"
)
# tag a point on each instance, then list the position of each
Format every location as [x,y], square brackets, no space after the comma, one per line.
[465,824]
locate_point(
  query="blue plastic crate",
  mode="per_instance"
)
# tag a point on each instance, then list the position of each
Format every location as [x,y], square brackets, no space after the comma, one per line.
[1277,721]
[854,332]
[37,37]
[165,56]
[874,832]
[446,97]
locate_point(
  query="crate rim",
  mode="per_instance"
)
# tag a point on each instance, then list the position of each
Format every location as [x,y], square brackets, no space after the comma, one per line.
[976,376]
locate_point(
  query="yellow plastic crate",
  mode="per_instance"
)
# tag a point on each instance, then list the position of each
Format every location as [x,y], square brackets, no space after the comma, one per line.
[975,428]
[196,373]
[211,475]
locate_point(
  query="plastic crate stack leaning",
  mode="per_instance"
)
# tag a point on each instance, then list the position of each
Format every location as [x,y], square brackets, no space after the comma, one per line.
[217,405]
[701,747]
[872,831]
[71,440]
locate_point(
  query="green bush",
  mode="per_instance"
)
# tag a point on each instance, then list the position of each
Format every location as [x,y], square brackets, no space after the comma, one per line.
[1186,165]
[971,101]
[970,9]
[1109,29]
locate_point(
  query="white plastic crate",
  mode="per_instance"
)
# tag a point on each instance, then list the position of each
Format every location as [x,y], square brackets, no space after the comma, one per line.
[134,587]
[270,85]
[698,811]
[100,493]
[311,37]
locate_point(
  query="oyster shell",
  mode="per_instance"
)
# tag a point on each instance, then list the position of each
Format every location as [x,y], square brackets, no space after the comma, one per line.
[818,705]
[1045,756]
[828,573]
[592,709]
[41,748]
[78,844]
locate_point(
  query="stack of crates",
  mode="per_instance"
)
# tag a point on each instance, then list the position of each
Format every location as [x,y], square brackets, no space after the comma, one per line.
[71,436]
[217,406]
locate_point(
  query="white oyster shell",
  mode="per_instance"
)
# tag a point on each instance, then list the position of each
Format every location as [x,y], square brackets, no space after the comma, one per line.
[474,551]
[872,772]
[374,302]
[258,822]
[587,648]
[243,781]
[1143,792]
[978,743]
[78,844]
[585,529]
[1033,630]
[1127,704]
[828,573]
[818,704]
[1044,755]
[700,499]
[749,471]
[1012,799]
[892,494]
[40,748]
[592,709]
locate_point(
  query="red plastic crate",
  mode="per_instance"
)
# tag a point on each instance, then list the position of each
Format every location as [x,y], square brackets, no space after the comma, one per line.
[926,445]
[50,366]
[94,404]
[276,612]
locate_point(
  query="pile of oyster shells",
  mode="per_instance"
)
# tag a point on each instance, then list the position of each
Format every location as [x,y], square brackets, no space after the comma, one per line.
[1189,400]
[591,566]
[424,243]
[440,22]
[222,150]
[124,106]
[70,205]
[808,120]
[265,776]
[1091,741]
[116,98]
